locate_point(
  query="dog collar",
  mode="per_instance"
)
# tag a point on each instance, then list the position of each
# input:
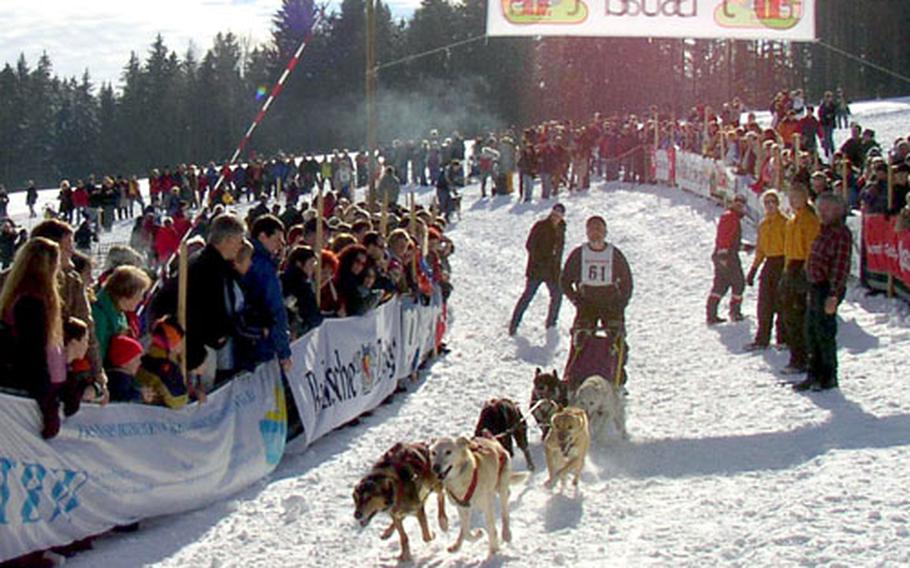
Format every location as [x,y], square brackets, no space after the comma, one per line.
[466,500]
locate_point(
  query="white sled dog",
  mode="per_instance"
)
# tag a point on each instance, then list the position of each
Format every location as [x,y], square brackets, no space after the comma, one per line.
[603,402]
[473,472]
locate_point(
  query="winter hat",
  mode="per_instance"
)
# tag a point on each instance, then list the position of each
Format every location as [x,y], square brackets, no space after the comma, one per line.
[596,219]
[559,208]
[122,350]
[167,333]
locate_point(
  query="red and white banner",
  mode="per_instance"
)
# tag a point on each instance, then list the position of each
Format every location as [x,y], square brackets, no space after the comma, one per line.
[887,251]
[791,20]
[663,165]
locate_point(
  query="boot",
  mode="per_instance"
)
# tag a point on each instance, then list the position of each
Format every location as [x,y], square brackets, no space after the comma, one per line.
[711,309]
[736,313]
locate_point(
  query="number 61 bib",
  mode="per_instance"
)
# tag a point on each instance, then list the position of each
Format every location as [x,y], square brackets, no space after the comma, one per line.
[597,266]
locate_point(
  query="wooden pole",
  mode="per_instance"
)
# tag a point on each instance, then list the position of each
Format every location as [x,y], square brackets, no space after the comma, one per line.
[320,204]
[384,216]
[845,175]
[779,167]
[707,140]
[182,281]
[890,206]
[370,103]
[413,226]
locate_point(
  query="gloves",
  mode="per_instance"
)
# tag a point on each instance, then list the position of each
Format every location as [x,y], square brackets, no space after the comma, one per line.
[750,278]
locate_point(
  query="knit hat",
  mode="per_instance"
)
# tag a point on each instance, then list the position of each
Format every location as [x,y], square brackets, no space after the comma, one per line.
[122,350]
[167,333]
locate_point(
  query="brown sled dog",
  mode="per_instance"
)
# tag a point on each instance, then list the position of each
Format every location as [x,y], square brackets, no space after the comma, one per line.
[547,398]
[399,484]
[501,419]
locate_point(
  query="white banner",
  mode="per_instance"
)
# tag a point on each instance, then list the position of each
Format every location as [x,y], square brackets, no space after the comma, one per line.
[693,173]
[117,464]
[348,366]
[792,20]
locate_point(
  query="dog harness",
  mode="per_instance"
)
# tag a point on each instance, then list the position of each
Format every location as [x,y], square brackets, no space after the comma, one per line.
[466,500]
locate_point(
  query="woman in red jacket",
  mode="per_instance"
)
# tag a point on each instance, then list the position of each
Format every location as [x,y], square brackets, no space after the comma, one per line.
[166,240]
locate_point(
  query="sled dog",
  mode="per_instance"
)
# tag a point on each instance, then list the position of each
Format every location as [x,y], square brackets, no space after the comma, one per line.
[547,397]
[501,419]
[603,402]
[473,472]
[399,484]
[566,445]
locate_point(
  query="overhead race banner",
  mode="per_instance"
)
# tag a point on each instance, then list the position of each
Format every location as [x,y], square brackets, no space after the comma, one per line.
[117,464]
[792,20]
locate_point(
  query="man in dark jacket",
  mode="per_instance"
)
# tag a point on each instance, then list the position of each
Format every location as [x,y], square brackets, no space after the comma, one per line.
[827,269]
[209,318]
[263,290]
[598,281]
[545,245]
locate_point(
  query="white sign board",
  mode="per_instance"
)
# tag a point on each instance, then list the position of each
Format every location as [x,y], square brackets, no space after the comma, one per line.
[792,20]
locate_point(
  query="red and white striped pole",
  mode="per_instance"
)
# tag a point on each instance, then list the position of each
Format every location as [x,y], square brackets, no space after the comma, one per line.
[276,90]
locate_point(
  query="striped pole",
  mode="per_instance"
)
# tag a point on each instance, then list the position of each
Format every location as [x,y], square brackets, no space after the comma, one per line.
[276,90]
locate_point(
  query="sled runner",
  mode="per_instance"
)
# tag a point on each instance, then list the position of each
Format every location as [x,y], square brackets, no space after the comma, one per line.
[598,351]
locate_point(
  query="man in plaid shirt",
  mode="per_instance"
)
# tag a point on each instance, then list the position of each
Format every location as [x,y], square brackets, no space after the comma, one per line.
[827,268]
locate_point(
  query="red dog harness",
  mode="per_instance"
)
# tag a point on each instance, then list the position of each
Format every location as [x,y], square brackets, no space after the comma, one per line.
[466,500]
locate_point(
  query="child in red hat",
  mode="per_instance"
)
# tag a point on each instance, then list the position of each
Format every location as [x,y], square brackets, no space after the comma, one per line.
[125,356]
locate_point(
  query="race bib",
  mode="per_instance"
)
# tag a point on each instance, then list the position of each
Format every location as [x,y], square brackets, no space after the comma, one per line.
[597,266]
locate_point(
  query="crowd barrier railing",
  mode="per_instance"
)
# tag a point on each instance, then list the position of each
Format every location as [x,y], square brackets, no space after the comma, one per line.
[711,179]
[118,464]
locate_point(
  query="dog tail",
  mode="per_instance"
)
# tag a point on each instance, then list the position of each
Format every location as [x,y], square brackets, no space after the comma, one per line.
[516,478]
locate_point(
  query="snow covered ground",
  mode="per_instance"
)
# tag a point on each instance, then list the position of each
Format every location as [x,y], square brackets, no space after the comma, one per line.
[724,466]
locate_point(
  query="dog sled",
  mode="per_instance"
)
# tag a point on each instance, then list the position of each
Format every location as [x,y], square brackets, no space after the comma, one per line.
[596,351]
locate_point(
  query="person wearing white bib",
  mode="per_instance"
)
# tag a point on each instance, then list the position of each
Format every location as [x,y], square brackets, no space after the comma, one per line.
[598,281]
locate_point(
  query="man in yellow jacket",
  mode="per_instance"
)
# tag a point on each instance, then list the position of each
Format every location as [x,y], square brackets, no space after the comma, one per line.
[801,231]
[769,256]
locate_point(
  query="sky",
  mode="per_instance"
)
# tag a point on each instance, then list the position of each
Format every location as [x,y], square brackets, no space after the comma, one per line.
[100,34]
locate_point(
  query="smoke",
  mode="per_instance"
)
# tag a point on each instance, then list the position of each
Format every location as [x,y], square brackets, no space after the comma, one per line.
[442,105]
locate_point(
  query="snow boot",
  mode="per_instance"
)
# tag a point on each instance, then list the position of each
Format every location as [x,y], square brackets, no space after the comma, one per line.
[711,311]
[736,312]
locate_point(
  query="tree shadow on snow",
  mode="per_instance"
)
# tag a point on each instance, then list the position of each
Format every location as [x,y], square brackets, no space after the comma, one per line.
[849,427]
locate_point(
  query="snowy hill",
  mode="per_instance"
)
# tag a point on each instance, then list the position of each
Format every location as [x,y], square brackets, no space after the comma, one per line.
[724,465]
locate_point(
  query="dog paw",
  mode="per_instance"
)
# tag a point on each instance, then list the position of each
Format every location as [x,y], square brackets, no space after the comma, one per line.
[429,536]
[386,534]
[405,557]
[444,524]
[475,536]
[506,535]
[455,547]
[550,483]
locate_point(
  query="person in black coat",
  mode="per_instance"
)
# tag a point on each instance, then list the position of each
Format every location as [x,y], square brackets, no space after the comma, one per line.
[299,291]
[357,297]
[598,281]
[209,319]
[545,246]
